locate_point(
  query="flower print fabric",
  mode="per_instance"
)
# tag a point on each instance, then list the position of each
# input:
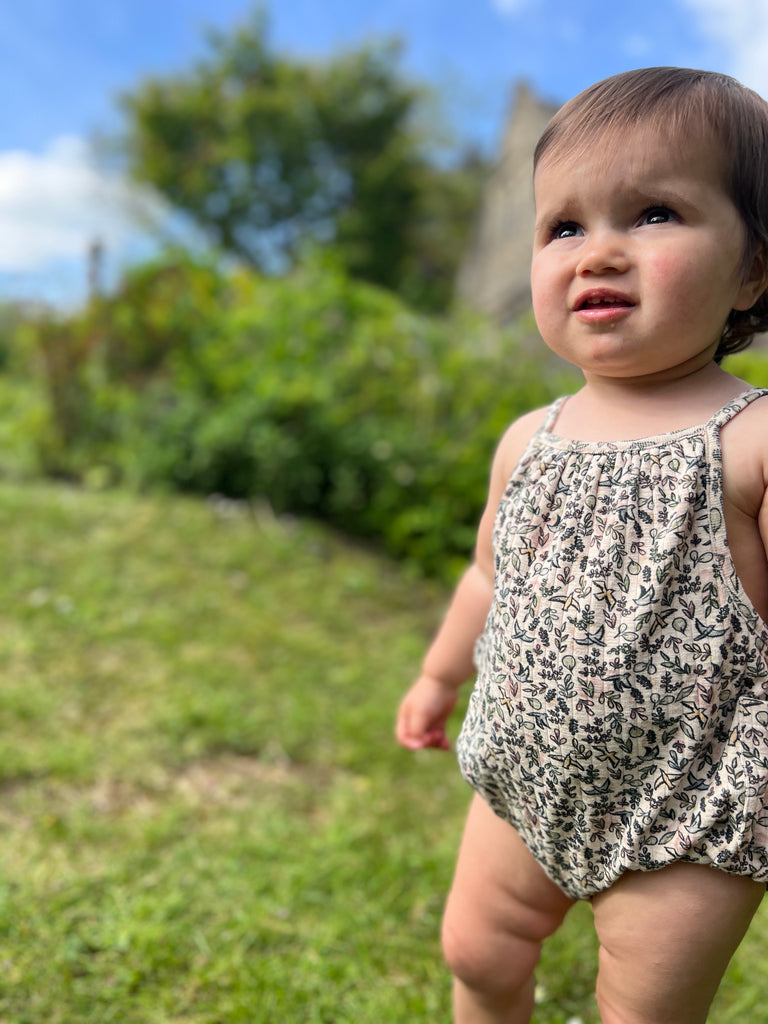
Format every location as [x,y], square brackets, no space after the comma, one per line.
[620,716]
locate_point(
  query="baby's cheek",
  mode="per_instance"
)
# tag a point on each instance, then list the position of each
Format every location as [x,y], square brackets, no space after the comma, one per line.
[670,266]
[677,279]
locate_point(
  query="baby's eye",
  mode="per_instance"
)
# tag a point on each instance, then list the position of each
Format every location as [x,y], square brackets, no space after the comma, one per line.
[566,229]
[657,215]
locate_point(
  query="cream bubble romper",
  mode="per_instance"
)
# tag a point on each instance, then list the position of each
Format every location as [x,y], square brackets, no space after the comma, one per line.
[620,716]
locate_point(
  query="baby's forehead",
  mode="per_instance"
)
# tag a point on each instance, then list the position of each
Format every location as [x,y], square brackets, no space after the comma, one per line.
[645,140]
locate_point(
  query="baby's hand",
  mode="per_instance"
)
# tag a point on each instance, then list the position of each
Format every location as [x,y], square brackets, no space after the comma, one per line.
[423,713]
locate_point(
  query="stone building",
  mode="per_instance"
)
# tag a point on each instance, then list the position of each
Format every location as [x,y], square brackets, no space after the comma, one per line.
[494,274]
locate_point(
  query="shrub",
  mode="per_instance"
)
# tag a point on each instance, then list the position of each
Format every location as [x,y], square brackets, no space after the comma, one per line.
[327,397]
[751,366]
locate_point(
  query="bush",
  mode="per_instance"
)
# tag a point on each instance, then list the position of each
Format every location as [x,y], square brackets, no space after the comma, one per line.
[751,366]
[328,398]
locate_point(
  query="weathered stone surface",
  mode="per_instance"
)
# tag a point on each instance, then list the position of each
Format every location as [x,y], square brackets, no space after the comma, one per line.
[494,274]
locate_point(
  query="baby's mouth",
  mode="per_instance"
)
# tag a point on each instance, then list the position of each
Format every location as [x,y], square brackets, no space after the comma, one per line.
[603,300]
[602,307]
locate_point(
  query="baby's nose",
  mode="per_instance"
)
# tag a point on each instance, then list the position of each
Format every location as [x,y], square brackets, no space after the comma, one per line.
[603,251]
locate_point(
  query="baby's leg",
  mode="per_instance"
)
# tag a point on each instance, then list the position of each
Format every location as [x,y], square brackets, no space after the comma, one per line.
[500,908]
[665,940]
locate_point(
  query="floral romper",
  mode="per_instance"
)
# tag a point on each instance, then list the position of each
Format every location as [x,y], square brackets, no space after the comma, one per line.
[620,716]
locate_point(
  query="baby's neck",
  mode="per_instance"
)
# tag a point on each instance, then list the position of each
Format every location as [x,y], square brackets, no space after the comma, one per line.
[612,409]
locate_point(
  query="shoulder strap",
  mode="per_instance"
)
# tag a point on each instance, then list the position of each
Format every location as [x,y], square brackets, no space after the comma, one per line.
[718,421]
[552,413]
[735,406]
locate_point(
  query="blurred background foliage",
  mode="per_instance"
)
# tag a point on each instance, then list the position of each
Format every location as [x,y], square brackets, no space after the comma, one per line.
[312,358]
[319,394]
[269,156]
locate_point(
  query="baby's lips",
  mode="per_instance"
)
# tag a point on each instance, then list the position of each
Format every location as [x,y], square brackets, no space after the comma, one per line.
[602,298]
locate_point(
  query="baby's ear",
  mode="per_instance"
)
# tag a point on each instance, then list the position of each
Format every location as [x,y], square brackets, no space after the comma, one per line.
[755,280]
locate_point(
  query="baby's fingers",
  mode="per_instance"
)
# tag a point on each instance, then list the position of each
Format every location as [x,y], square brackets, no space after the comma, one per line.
[409,737]
[437,738]
[423,714]
[416,735]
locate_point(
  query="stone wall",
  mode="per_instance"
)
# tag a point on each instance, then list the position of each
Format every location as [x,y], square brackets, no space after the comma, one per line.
[494,274]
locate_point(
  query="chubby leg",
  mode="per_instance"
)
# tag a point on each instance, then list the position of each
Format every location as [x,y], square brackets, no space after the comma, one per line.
[666,938]
[500,908]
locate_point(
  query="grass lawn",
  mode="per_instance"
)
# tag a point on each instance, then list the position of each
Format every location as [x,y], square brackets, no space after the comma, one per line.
[204,817]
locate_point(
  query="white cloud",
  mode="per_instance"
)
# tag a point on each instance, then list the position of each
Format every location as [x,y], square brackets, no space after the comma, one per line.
[509,6]
[54,205]
[741,28]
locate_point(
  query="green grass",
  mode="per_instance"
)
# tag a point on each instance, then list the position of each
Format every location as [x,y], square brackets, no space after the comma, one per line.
[204,817]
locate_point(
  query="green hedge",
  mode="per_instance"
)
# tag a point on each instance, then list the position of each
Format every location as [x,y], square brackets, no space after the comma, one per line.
[751,366]
[326,397]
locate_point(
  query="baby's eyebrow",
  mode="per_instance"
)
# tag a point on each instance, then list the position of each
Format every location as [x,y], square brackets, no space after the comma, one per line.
[657,194]
[567,205]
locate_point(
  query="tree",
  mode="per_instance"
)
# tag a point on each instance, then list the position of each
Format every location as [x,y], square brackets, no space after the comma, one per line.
[448,198]
[268,154]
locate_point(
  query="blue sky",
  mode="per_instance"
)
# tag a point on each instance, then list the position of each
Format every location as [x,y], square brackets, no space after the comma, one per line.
[63,62]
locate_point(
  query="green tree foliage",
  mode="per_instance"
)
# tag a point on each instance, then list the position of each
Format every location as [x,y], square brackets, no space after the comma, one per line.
[324,396]
[445,210]
[268,154]
[751,365]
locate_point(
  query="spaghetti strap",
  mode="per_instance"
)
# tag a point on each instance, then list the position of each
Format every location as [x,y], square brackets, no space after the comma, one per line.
[551,416]
[735,406]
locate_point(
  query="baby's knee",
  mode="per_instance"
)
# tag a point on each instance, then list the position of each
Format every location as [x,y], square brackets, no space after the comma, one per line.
[467,958]
[488,960]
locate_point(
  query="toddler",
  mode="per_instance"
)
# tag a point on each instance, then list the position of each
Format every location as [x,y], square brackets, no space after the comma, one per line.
[616,607]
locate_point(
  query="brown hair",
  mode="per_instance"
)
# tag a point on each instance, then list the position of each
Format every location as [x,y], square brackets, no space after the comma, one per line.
[679,102]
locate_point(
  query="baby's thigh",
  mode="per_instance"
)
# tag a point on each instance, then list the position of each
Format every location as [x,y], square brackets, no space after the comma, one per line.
[501,905]
[666,938]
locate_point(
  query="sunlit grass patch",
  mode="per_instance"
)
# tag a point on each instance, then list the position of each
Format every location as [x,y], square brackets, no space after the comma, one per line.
[204,816]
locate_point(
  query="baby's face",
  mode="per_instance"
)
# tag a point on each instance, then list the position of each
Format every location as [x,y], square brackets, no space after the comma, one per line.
[638,256]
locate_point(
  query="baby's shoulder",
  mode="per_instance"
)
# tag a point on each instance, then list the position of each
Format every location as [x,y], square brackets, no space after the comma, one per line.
[750,425]
[744,442]
[515,439]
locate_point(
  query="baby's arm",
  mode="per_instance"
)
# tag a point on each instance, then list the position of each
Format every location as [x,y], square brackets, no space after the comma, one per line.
[762,516]
[745,500]
[427,706]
